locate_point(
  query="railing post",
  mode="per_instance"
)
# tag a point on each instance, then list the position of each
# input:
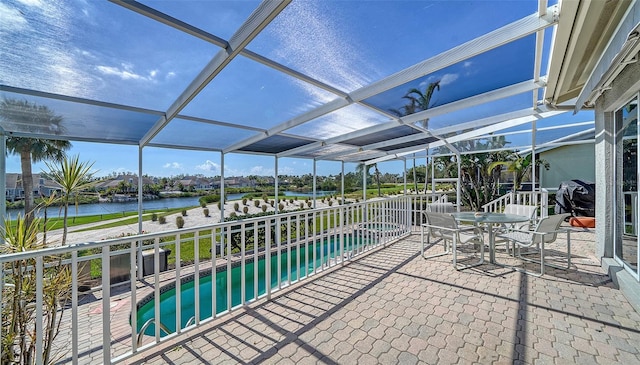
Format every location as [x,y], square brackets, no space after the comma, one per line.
[267,258]
[39,309]
[74,305]
[342,230]
[106,305]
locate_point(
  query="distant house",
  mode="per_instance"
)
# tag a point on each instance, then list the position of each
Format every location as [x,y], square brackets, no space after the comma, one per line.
[128,182]
[13,190]
[195,182]
[41,186]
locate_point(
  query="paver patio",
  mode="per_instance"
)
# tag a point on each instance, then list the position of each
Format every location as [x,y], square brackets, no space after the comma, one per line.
[392,306]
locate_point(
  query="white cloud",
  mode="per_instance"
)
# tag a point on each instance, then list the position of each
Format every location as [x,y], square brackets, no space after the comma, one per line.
[468,64]
[448,79]
[261,171]
[173,165]
[209,166]
[170,75]
[126,72]
[36,3]
[12,19]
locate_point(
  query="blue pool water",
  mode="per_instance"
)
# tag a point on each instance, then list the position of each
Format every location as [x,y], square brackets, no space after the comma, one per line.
[328,248]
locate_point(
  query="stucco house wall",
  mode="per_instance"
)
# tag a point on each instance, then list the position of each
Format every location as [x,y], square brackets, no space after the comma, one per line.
[568,163]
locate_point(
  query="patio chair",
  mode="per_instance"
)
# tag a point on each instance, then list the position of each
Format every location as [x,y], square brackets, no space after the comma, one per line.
[443,227]
[517,209]
[546,232]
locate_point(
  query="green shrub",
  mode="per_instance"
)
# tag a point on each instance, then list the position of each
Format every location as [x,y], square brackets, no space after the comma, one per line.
[205,211]
[264,207]
[256,202]
[162,219]
[272,203]
[233,214]
[236,206]
[184,212]
[291,201]
[203,204]
[280,207]
[154,217]
[309,203]
[244,201]
[206,199]
[330,202]
[219,205]
[179,222]
[245,210]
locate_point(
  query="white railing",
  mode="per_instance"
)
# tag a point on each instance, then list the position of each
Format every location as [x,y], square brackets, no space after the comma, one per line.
[249,260]
[535,198]
[419,205]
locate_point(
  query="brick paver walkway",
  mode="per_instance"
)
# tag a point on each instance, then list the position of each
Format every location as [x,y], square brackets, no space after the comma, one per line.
[394,307]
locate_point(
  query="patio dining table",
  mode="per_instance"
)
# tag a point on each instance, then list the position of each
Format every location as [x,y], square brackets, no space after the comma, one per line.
[490,220]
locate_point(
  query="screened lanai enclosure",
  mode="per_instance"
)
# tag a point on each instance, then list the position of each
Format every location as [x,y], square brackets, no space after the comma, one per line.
[345,81]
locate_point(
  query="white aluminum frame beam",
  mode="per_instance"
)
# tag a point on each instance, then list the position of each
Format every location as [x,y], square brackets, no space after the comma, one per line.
[215,40]
[408,120]
[529,114]
[255,23]
[484,43]
[470,135]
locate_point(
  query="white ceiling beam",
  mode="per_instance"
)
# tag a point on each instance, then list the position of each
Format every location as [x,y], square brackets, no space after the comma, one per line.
[472,134]
[484,43]
[208,37]
[408,120]
[315,113]
[484,98]
[258,20]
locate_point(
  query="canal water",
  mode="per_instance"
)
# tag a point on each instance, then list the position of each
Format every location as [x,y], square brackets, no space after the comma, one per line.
[165,203]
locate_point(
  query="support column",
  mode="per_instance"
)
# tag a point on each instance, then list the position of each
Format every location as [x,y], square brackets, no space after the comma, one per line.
[605,183]
[277,204]
[140,192]
[364,182]
[404,176]
[315,163]
[140,195]
[342,183]
[533,159]
[222,188]
[458,187]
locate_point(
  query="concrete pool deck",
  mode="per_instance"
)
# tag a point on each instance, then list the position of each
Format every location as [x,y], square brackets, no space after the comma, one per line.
[392,306]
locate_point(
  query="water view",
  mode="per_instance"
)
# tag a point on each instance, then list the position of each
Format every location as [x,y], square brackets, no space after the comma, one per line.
[123,207]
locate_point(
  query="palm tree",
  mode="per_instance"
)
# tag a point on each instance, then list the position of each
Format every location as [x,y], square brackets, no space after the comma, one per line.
[418,101]
[73,176]
[520,166]
[364,169]
[423,100]
[42,120]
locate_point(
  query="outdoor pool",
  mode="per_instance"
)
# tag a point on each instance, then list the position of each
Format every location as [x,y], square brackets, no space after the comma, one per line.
[324,251]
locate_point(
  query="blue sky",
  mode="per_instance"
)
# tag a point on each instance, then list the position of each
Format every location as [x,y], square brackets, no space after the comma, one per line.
[101,51]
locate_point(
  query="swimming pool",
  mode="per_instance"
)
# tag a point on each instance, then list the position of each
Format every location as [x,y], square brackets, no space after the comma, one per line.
[324,251]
